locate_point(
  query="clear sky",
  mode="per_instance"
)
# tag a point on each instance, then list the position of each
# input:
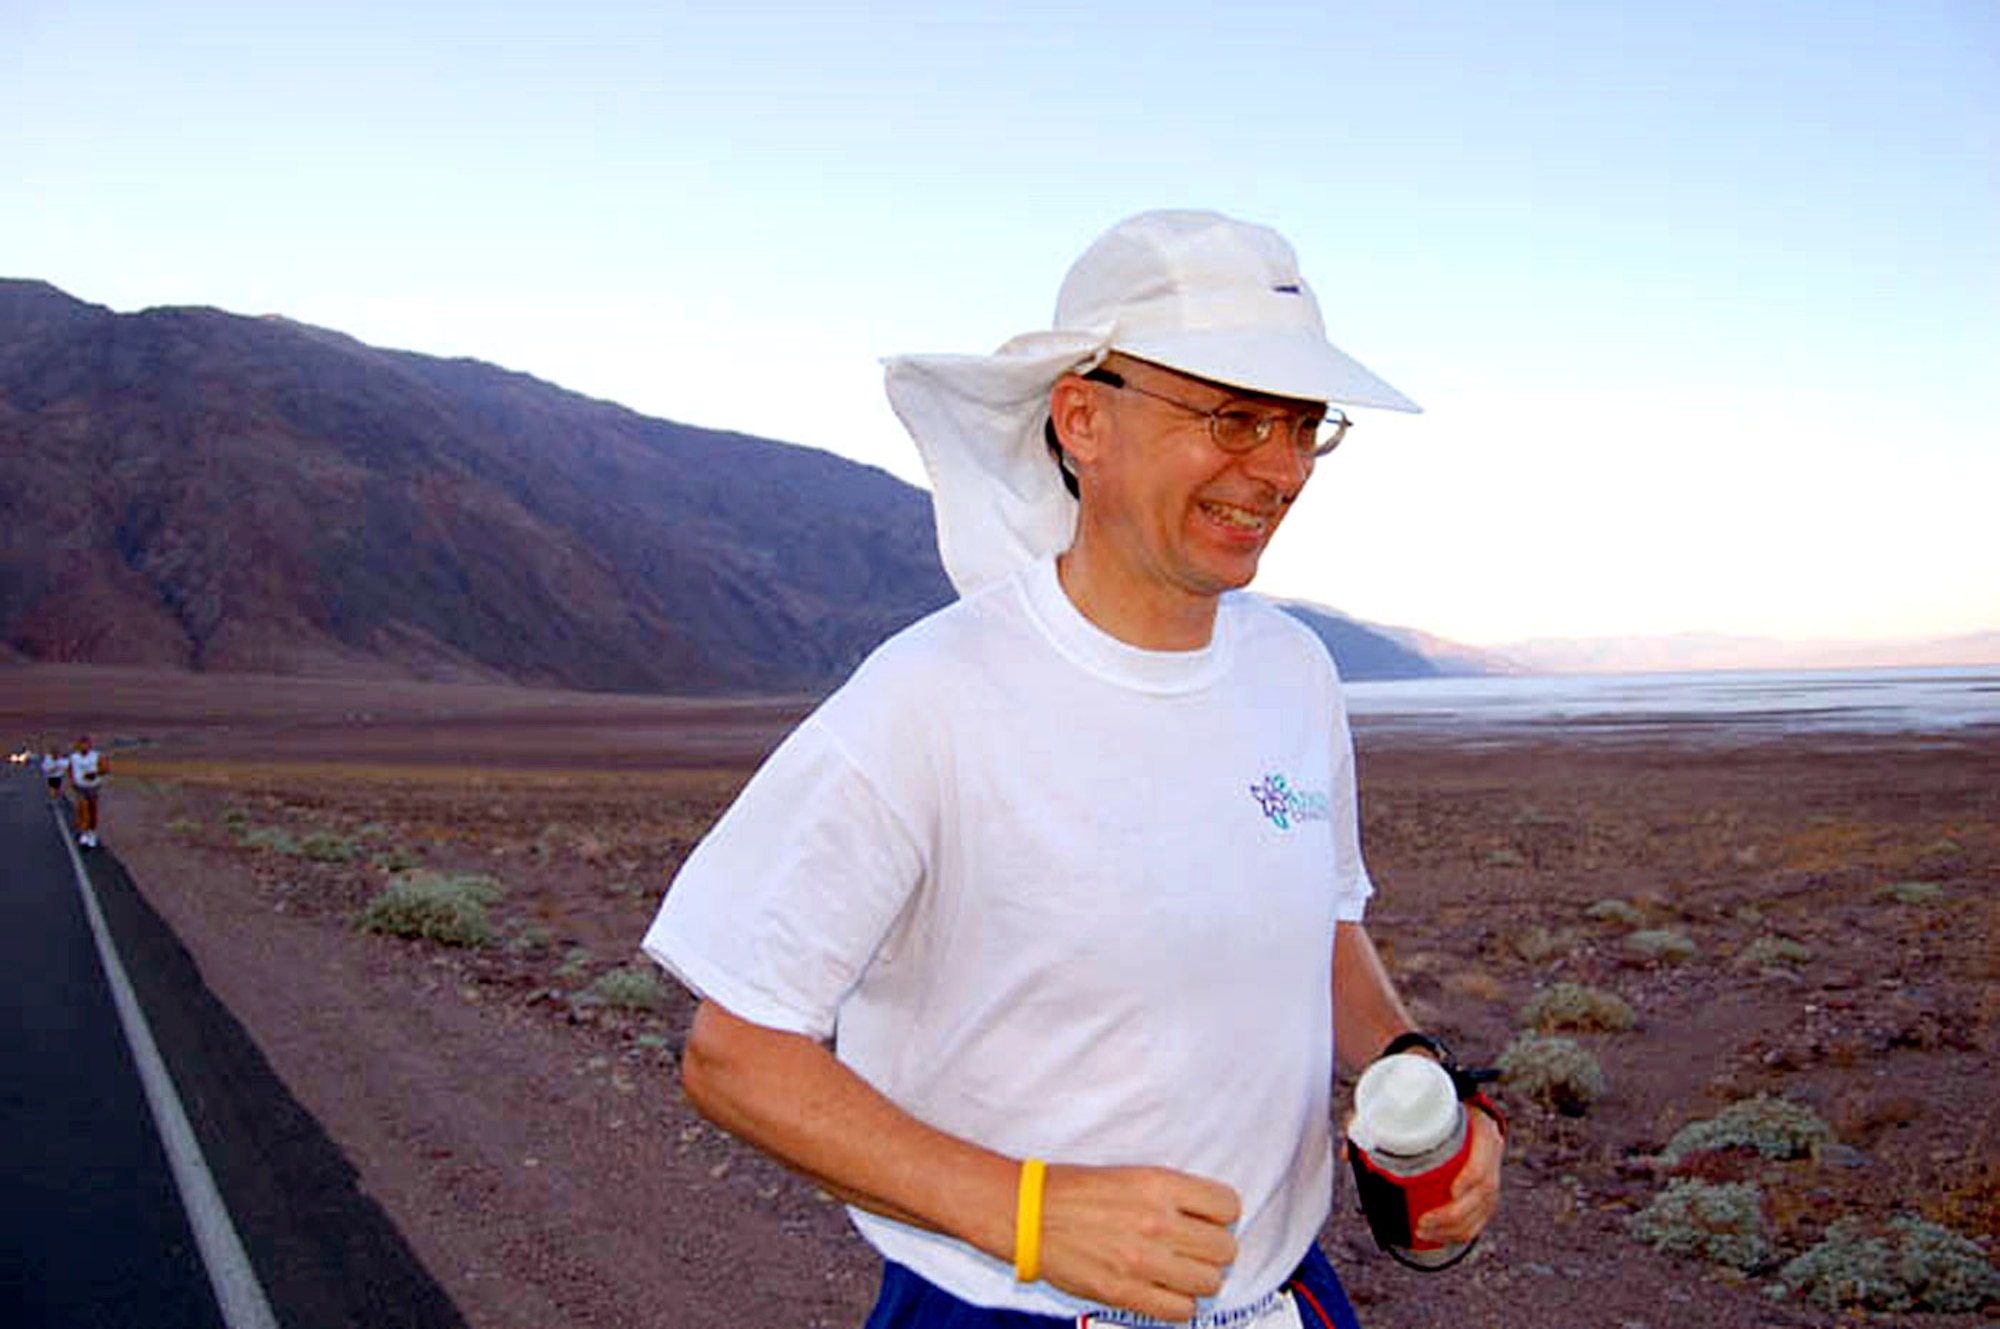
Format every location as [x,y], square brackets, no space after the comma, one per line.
[1702,299]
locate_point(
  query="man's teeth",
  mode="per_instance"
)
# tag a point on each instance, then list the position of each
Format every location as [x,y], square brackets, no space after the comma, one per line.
[1241,518]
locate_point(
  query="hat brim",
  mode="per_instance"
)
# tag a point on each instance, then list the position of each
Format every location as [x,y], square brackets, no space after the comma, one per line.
[1278,363]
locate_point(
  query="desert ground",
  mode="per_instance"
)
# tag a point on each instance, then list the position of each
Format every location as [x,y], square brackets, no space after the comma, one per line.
[514,1105]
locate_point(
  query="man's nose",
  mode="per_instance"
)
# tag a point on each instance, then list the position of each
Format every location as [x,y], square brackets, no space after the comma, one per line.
[1281,464]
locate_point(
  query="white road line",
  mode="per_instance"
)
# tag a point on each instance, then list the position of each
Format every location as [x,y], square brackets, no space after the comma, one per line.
[229,1273]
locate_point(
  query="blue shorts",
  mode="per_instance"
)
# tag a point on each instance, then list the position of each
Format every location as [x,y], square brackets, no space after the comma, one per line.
[910,1302]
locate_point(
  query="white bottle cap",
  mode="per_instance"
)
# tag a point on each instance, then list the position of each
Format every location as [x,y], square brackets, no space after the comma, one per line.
[1404,1105]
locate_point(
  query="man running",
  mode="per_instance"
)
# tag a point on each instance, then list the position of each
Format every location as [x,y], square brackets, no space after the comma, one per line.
[87,770]
[55,770]
[1069,874]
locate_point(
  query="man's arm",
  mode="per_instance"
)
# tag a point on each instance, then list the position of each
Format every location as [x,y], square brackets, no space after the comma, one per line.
[1149,1240]
[1367,1014]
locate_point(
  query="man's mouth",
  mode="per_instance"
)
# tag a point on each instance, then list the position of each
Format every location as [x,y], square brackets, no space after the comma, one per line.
[1241,519]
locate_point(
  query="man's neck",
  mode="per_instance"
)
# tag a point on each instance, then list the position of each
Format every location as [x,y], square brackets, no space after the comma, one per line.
[1141,614]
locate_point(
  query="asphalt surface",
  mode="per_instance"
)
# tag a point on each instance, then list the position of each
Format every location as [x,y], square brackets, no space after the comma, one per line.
[93,1229]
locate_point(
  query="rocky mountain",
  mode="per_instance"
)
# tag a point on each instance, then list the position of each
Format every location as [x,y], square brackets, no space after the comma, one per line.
[192,488]
[1361,651]
[188,487]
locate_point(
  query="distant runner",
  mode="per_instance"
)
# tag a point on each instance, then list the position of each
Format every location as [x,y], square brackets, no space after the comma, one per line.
[55,769]
[86,776]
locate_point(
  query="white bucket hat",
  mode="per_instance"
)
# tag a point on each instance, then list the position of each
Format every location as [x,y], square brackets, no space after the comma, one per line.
[1194,291]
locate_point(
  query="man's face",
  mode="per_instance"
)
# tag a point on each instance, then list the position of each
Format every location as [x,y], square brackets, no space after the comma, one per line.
[1185,514]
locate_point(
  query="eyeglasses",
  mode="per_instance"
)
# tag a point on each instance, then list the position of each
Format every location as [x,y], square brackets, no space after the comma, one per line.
[1238,429]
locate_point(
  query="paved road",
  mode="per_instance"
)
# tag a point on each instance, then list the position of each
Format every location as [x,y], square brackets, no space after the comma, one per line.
[94,1229]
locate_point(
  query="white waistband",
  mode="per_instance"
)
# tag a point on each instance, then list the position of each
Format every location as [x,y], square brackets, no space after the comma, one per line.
[1273,1310]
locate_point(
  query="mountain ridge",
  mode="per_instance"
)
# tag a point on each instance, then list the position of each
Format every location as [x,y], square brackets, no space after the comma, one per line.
[240,493]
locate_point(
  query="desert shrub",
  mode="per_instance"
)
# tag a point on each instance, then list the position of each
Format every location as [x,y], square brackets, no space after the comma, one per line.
[1576,1006]
[396,858]
[1538,944]
[528,939]
[436,906]
[236,820]
[1945,1270]
[1774,1127]
[634,987]
[1616,911]
[1554,1072]
[1721,1223]
[1504,856]
[184,826]
[1911,892]
[1660,946]
[1849,1268]
[1904,1265]
[575,961]
[1774,953]
[272,839]
[327,847]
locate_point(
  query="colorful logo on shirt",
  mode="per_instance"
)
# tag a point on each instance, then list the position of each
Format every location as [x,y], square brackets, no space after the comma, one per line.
[1286,806]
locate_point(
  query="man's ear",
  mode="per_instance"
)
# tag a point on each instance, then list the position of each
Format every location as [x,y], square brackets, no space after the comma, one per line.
[1076,411]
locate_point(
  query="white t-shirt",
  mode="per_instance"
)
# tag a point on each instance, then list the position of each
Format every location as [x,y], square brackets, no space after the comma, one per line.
[83,769]
[1062,897]
[55,765]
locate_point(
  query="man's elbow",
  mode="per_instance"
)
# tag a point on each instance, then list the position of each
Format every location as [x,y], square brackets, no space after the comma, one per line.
[705,1061]
[730,1065]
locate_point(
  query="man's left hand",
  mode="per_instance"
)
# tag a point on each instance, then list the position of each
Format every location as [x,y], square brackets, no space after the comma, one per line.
[1475,1196]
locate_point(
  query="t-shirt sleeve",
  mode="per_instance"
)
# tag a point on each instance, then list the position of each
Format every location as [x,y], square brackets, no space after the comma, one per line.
[1352,883]
[778,911]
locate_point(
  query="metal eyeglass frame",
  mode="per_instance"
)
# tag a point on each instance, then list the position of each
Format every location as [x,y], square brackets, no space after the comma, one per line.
[1327,432]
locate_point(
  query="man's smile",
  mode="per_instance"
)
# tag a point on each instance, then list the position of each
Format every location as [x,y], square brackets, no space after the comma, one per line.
[1238,518]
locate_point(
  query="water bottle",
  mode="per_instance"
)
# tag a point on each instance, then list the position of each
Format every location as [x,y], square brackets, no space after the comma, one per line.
[1408,1141]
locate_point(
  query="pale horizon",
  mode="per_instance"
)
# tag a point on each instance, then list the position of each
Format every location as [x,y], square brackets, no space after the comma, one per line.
[1703,304]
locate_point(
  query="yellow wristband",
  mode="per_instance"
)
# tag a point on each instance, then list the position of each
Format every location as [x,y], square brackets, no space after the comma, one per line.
[1028,1222]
